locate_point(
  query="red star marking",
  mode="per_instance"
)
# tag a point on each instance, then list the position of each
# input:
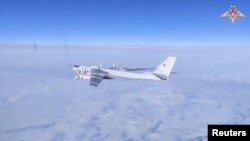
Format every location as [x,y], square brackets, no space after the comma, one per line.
[233,14]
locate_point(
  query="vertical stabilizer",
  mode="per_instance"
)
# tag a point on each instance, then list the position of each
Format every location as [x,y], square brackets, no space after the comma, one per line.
[164,69]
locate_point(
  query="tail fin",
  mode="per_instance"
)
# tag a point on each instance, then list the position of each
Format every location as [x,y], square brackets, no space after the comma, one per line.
[164,69]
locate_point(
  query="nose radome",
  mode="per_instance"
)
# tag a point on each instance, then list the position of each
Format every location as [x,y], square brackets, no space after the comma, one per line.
[76,66]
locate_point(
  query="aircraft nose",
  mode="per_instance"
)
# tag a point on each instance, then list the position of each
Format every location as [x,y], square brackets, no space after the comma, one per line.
[76,66]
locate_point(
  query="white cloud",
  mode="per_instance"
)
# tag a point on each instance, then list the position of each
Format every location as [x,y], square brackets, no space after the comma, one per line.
[237,77]
[47,104]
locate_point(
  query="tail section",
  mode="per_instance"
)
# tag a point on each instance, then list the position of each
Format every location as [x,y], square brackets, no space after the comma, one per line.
[164,69]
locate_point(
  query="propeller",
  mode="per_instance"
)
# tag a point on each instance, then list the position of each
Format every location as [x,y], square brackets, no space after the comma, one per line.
[85,71]
[113,66]
[77,77]
[79,72]
[100,66]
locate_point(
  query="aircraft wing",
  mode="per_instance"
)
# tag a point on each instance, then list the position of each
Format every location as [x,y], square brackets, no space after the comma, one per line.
[226,14]
[97,76]
[240,14]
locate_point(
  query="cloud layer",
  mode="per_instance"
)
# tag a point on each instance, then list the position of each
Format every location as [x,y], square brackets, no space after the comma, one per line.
[41,101]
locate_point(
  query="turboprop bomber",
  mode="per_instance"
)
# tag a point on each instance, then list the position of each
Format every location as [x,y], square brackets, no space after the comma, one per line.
[97,73]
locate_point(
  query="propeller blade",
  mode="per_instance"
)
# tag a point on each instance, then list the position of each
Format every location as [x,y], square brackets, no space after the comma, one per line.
[113,65]
[100,66]
[85,71]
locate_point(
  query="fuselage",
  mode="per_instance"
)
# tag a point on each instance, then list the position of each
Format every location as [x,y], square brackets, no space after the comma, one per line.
[84,72]
[127,74]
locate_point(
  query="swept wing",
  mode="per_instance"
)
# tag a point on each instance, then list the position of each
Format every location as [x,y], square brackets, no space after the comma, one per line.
[97,75]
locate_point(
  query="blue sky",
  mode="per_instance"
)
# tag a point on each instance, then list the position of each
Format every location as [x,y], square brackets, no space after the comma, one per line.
[130,22]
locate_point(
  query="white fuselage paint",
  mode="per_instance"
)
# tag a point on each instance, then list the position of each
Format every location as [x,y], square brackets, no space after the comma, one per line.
[126,74]
[84,72]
